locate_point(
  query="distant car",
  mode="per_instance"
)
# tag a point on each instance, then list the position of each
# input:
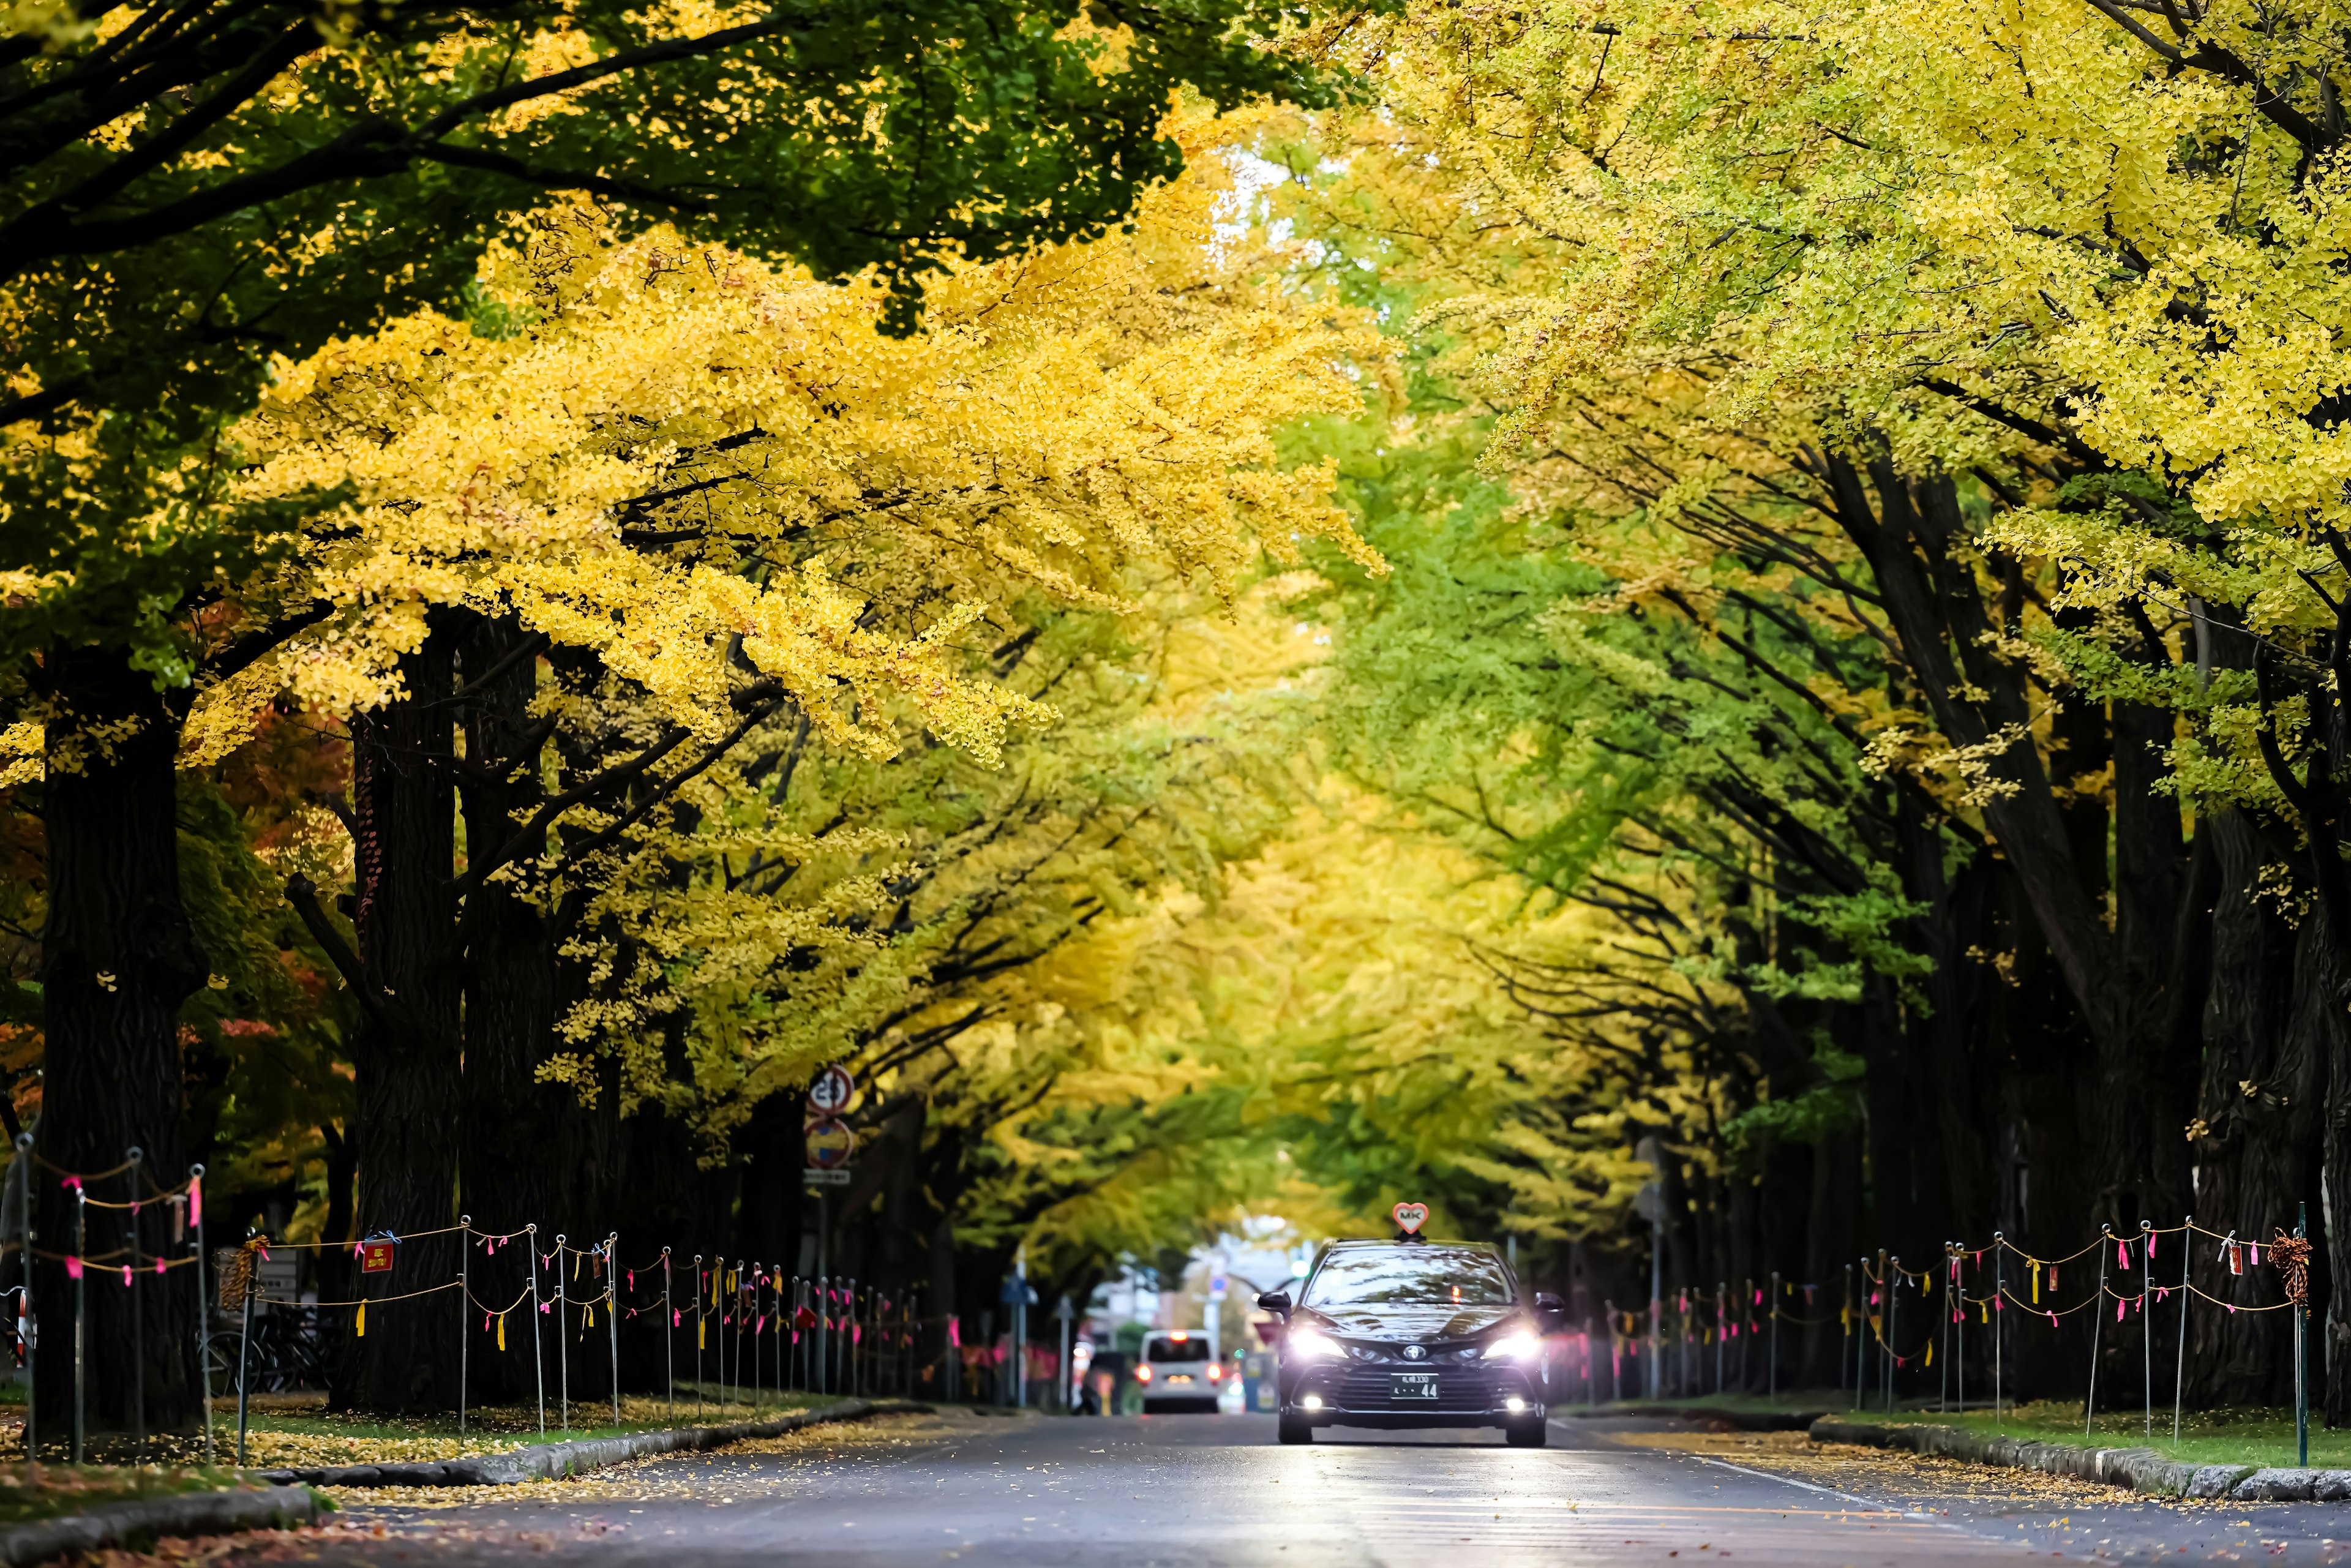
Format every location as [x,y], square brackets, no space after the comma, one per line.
[1177,1372]
[1413,1333]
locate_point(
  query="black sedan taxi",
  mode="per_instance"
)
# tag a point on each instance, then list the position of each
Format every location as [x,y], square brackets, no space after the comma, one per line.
[1412,1334]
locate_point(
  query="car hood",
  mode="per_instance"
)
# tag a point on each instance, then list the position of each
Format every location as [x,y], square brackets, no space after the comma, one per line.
[1411,1322]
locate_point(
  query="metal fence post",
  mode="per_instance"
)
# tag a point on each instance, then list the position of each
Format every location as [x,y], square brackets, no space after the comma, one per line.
[81,1311]
[1893,1272]
[247,1274]
[2097,1323]
[1722,1329]
[562,1339]
[135,1157]
[1959,1318]
[669,1339]
[1774,1384]
[465,1310]
[204,1318]
[2147,1317]
[537,1357]
[612,1314]
[2179,1371]
[1846,1322]
[2302,1355]
[27,1314]
[1999,1321]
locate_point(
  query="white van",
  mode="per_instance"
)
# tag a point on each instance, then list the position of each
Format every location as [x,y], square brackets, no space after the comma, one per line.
[1177,1372]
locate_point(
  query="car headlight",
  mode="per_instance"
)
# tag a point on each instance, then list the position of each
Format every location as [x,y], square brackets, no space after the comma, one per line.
[1514,1347]
[1310,1345]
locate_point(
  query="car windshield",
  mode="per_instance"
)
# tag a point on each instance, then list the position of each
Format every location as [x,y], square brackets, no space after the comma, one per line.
[1410,1277]
[1177,1350]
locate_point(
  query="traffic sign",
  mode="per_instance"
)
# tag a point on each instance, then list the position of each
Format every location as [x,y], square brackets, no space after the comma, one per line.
[830,1144]
[828,1093]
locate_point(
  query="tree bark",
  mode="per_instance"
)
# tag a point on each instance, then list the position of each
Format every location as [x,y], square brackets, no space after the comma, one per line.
[516,1164]
[2265,1061]
[118,958]
[408,1056]
[2122,979]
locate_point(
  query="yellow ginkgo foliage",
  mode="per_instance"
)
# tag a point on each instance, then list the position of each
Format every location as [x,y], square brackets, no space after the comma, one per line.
[676,457]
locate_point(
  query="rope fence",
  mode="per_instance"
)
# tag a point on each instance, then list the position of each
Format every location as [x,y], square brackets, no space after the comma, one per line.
[761,1332]
[2024,1288]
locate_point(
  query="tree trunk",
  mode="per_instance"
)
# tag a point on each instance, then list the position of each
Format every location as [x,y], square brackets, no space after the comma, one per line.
[516,1164]
[2123,978]
[118,958]
[2264,1076]
[408,1056]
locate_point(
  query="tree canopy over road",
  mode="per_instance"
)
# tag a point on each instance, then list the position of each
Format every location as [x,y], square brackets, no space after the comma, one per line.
[1240,608]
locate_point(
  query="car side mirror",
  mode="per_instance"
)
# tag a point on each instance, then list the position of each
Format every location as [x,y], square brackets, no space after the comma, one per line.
[1548,1304]
[1274,1301]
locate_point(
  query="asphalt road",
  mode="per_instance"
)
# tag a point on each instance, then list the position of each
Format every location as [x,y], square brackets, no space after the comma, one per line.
[1200,1490]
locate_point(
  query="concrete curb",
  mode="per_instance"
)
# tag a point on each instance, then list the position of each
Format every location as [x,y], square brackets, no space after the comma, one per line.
[552,1462]
[1742,1420]
[2137,1470]
[151,1519]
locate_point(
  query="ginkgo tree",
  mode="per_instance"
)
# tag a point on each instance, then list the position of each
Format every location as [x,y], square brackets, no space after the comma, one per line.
[725,509]
[2013,321]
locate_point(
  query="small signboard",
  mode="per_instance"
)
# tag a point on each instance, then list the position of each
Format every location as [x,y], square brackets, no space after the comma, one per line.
[830,1144]
[825,1178]
[829,1093]
[375,1257]
[277,1278]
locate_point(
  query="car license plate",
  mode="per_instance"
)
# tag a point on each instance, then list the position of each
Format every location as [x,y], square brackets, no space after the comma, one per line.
[1412,1385]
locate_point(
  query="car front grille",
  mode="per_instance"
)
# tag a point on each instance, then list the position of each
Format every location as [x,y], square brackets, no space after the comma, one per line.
[1459,1388]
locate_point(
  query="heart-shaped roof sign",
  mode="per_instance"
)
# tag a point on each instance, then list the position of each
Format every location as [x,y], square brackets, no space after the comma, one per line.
[1410,1217]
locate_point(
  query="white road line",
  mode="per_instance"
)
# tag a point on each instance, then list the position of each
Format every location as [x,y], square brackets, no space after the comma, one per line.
[1824,1491]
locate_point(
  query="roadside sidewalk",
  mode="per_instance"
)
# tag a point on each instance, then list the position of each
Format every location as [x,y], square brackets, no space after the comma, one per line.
[287,1497]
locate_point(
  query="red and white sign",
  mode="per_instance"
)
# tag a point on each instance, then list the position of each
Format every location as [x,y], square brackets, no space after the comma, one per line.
[829,1093]
[375,1257]
[1410,1217]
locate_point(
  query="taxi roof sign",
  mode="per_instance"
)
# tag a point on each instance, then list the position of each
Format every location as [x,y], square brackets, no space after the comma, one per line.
[1410,1218]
